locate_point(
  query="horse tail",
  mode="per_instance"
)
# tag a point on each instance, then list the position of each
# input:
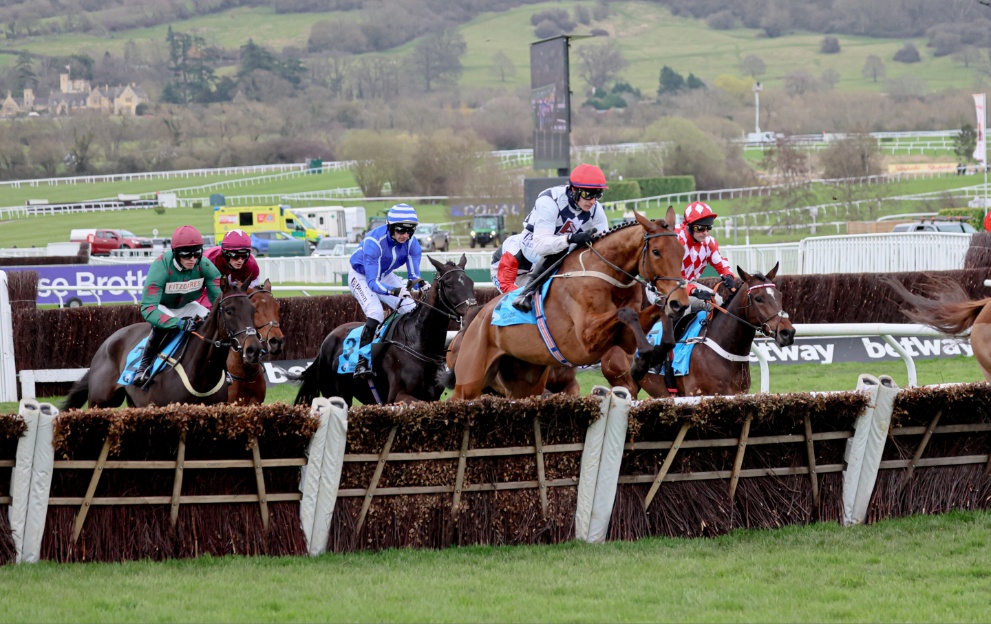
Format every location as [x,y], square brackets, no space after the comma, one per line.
[78,394]
[309,389]
[445,377]
[951,312]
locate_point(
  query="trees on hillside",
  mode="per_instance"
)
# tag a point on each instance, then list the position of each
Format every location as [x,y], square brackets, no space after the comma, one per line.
[599,65]
[436,59]
[873,68]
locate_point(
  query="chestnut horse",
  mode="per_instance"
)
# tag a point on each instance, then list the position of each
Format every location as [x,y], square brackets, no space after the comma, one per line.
[720,362]
[952,311]
[200,373]
[247,381]
[591,306]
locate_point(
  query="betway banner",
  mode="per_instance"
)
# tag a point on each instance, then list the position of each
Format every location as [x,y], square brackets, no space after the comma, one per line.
[804,351]
[105,281]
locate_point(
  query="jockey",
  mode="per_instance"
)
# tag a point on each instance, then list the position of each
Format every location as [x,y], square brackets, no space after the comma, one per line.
[371,279]
[701,249]
[562,216]
[176,279]
[234,261]
[509,263]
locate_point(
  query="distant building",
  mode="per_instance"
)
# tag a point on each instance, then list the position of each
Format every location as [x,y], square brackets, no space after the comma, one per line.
[74,96]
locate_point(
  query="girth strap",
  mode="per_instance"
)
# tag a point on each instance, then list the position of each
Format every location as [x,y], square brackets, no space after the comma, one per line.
[185,380]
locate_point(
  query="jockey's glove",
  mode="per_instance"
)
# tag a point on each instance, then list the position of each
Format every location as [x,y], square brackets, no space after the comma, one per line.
[702,295]
[186,324]
[424,286]
[401,291]
[728,281]
[580,238]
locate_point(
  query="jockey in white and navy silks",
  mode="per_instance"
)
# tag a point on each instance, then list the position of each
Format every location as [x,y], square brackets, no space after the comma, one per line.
[562,216]
[371,279]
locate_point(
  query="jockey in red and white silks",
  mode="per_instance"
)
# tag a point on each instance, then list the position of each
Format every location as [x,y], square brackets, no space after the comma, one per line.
[701,250]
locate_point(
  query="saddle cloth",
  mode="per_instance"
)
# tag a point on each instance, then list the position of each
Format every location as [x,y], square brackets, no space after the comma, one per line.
[172,345]
[682,350]
[505,314]
[348,359]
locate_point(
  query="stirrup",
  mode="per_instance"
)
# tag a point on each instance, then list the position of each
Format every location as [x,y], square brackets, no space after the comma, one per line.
[363,370]
[524,303]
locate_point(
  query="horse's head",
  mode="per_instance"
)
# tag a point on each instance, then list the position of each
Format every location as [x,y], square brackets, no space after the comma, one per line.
[267,317]
[453,290]
[763,307]
[234,322]
[661,262]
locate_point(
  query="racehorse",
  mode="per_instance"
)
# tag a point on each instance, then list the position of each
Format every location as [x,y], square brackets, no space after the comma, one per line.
[590,306]
[200,374]
[720,363]
[560,379]
[247,381]
[952,312]
[409,362]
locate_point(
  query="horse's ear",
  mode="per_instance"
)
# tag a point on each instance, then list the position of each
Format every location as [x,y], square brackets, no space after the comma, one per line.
[743,274]
[647,224]
[773,272]
[437,265]
[669,217]
[463,261]
[224,284]
[267,285]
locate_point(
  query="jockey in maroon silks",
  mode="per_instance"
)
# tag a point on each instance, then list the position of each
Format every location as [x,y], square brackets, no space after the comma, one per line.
[234,261]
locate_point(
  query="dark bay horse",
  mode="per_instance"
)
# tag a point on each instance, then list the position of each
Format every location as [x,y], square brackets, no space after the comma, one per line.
[247,381]
[592,305]
[720,363]
[408,366]
[952,311]
[199,377]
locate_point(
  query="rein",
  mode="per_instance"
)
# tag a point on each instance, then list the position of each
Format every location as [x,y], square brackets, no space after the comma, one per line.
[451,313]
[762,327]
[634,279]
[232,340]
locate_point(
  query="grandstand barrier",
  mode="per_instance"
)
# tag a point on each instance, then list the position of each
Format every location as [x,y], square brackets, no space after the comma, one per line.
[181,481]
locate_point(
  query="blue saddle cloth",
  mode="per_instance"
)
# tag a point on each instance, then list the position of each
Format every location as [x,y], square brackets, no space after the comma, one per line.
[505,314]
[348,360]
[134,357]
[682,351]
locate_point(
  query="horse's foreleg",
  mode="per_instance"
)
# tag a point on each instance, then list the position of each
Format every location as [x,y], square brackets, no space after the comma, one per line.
[616,369]
[654,385]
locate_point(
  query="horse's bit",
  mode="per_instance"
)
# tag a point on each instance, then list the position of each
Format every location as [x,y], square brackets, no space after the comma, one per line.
[451,310]
[232,340]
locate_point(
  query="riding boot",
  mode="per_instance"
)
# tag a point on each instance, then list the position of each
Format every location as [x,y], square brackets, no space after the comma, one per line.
[363,368]
[152,347]
[524,300]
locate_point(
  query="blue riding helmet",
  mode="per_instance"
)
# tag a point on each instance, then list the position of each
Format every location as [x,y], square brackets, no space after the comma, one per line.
[402,213]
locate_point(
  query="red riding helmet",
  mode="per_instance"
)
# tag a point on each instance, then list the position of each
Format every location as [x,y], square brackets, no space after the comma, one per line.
[186,236]
[699,211]
[236,239]
[588,176]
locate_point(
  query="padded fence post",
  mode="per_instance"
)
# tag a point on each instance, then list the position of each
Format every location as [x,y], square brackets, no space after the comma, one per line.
[613,442]
[591,458]
[322,477]
[42,467]
[20,477]
[865,448]
[8,368]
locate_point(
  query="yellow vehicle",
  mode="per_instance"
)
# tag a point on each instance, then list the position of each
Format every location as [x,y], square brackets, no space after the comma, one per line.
[261,218]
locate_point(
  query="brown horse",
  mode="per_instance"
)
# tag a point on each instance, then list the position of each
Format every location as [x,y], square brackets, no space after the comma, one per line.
[560,379]
[720,363]
[591,306]
[201,370]
[952,312]
[247,381]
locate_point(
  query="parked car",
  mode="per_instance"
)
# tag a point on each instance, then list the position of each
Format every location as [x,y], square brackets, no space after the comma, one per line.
[278,243]
[327,245]
[487,228]
[936,225]
[102,242]
[432,238]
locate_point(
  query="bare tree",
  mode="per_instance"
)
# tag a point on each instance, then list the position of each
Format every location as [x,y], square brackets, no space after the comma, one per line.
[800,82]
[437,58]
[600,65]
[502,67]
[753,66]
[873,68]
[829,78]
[967,55]
[379,158]
[853,157]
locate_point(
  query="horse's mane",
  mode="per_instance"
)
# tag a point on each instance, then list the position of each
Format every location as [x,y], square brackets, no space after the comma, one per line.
[621,226]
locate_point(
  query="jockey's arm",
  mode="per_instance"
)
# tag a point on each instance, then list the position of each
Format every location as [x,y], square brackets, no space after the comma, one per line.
[151,297]
[373,266]
[718,262]
[546,241]
[211,280]
[413,260]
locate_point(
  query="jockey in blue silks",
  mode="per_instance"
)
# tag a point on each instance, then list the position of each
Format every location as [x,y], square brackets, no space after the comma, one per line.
[371,279]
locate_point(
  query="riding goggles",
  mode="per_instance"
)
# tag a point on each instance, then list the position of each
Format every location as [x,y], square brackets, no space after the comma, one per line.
[583,193]
[404,229]
[240,254]
[701,228]
[190,252]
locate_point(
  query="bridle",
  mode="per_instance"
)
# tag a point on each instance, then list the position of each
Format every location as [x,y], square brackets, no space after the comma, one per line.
[268,327]
[652,282]
[232,337]
[450,310]
[762,325]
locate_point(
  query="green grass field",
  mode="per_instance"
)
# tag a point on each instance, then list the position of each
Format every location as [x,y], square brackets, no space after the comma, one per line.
[648,35]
